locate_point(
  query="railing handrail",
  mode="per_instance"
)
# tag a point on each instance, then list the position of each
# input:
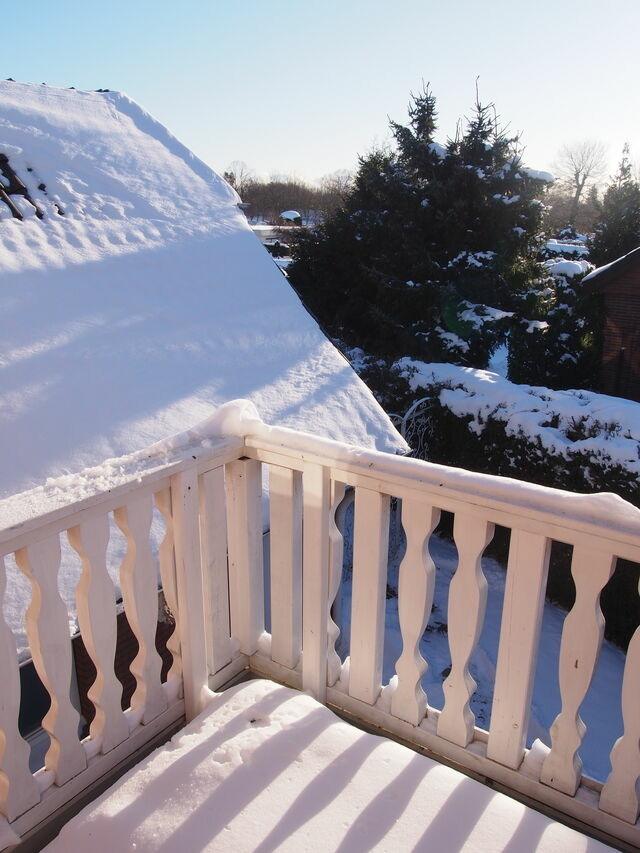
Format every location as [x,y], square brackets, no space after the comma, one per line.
[604,515]
[149,471]
[210,560]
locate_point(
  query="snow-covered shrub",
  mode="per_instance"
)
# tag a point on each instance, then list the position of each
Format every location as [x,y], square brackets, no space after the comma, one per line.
[571,439]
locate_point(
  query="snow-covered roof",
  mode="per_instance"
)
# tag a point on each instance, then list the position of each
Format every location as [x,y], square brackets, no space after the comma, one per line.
[603,274]
[547,177]
[140,300]
[290,214]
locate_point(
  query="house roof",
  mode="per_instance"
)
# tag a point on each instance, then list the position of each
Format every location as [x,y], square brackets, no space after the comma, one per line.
[135,298]
[603,275]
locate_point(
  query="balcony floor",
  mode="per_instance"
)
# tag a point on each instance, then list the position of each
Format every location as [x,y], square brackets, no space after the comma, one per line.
[268,768]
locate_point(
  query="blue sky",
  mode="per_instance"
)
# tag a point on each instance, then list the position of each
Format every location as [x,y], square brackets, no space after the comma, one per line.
[302,88]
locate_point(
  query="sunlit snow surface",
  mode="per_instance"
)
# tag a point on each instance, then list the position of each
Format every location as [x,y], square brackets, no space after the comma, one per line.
[147,303]
[267,768]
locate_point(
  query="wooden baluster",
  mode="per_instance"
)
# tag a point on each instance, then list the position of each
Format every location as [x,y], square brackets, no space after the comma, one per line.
[213,543]
[246,574]
[370,558]
[619,795]
[96,602]
[579,648]
[415,598]
[315,585]
[522,611]
[139,584]
[18,788]
[47,624]
[185,504]
[467,603]
[336,555]
[285,505]
[167,558]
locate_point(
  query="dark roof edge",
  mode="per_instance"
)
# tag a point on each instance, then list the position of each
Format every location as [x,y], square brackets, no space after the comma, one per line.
[604,274]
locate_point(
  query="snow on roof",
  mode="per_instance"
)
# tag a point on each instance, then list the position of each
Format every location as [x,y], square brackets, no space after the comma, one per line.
[564,247]
[141,300]
[290,214]
[605,272]
[538,175]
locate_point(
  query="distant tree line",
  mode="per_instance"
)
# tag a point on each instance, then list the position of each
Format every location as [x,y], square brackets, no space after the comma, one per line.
[577,205]
[267,199]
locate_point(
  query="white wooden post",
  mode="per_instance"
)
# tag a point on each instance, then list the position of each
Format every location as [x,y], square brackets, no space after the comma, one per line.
[213,533]
[167,558]
[96,602]
[184,501]
[246,574]
[579,648]
[315,583]
[47,624]
[285,514]
[619,795]
[467,603]
[415,598]
[522,611]
[139,584]
[370,559]
[336,556]
[18,788]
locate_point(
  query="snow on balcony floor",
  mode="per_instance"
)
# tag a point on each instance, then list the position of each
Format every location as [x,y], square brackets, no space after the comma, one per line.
[268,768]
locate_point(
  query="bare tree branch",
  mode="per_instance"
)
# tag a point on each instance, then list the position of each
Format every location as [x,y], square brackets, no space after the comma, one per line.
[578,167]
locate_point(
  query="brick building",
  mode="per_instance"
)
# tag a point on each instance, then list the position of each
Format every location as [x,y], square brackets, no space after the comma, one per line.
[619,283]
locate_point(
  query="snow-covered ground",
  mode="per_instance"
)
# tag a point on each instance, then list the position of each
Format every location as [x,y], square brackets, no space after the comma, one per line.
[498,363]
[601,710]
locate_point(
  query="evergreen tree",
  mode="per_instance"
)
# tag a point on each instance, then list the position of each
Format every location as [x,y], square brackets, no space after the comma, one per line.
[428,243]
[618,230]
[555,340]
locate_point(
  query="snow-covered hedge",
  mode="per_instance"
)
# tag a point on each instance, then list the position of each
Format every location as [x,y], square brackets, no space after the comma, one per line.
[571,439]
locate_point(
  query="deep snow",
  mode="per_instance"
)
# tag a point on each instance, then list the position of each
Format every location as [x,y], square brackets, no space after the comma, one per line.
[268,768]
[148,303]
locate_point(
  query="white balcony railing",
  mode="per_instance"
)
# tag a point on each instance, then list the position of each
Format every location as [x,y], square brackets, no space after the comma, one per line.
[210,561]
